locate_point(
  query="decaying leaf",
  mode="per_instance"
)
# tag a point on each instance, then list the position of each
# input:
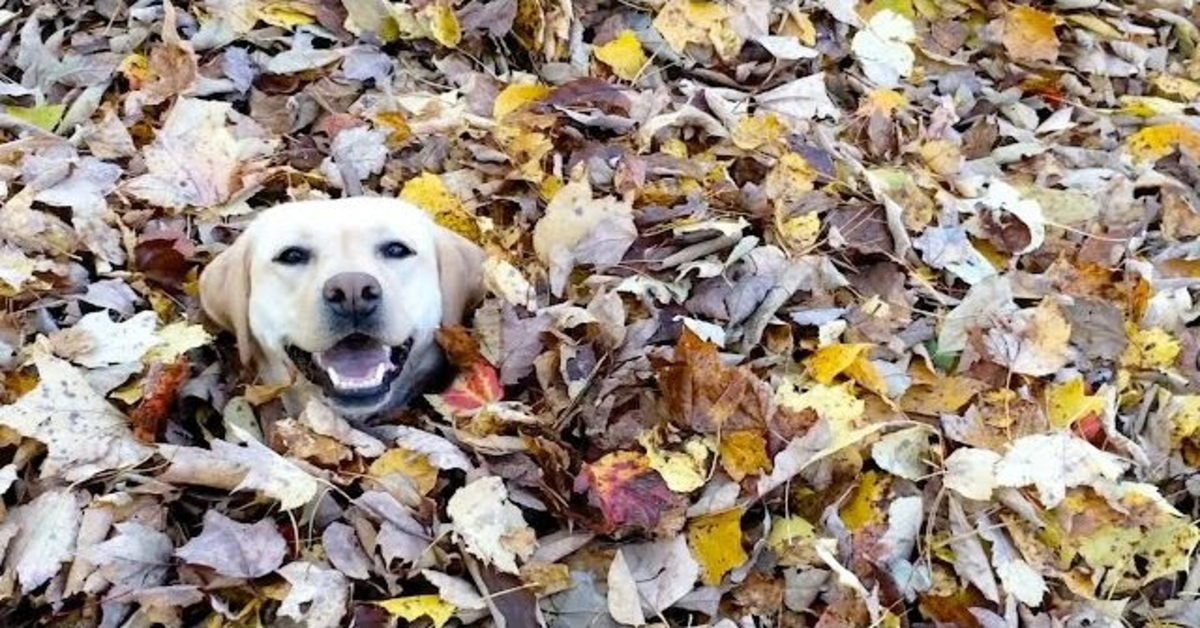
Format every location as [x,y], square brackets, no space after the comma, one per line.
[84,434]
[233,549]
[626,489]
[490,525]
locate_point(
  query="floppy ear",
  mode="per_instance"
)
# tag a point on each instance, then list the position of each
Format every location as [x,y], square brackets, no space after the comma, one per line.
[225,295]
[460,271]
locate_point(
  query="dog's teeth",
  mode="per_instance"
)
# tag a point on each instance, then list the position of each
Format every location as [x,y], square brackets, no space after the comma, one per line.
[358,383]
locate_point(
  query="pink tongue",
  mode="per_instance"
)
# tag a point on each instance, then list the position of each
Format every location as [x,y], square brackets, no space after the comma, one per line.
[354,359]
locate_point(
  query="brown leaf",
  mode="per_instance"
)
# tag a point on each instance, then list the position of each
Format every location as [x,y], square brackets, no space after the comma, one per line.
[705,395]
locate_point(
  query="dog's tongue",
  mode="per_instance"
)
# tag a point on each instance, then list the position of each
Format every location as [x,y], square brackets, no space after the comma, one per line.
[356,363]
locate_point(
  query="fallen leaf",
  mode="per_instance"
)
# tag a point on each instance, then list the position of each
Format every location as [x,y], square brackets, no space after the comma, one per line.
[317,596]
[743,453]
[624,604]
[408,463]
[716,541]
[972,472]
[1029,34]
[627,491]
[882,48]
[490,525]
[45,531]
[474,389]
[624,55]
[413,607]
[194,160]
[85,435]
[573,218]
[138,557]
[237,550]
[1052,463]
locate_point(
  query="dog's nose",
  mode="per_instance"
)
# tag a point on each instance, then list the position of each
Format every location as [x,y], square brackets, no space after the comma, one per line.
[355,295]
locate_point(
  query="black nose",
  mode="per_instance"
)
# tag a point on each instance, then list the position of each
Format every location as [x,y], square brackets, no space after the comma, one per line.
[353,295]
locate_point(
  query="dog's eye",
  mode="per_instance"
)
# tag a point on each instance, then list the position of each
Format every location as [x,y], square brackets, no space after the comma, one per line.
[396,250]
[293,256]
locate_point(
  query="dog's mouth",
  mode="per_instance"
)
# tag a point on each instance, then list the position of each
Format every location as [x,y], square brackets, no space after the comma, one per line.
[358,367]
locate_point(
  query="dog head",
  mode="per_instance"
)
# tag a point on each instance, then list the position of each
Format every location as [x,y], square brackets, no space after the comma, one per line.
[344,296]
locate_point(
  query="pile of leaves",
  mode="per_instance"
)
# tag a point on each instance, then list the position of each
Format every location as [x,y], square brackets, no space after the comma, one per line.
[800,312]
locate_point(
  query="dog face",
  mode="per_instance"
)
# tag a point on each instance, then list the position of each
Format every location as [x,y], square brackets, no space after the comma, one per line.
[344,297]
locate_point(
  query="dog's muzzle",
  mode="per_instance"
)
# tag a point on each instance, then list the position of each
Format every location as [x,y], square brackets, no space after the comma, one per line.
[358,368]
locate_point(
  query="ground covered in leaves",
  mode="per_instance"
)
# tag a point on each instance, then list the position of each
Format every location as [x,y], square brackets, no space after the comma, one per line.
[800,313]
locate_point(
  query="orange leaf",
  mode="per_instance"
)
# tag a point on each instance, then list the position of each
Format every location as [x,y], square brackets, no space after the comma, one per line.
[626,490]
[149,418]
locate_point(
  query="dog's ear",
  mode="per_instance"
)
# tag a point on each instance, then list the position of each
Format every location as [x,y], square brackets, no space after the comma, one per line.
[225,295]
[460,271]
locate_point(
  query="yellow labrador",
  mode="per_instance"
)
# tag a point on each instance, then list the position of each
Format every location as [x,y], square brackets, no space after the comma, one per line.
[343,297]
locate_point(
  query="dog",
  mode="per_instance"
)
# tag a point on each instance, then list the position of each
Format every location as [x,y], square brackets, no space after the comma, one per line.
[342,299]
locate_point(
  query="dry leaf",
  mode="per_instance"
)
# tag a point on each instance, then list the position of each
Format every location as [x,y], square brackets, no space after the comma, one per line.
[233,549]
[490,525]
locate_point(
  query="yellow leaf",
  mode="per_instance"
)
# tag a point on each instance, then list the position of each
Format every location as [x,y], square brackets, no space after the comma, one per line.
[683,22]
[865,505]
[43,116]
[902,7]
[790,179]
[1155,142]
[410,463]
[754,132]
[429,193]
[414,607]
[136,68]
[1168,548]
[515,97]
[1150,106]
[683,472]
[743,453]
[286,13]
[397,124]
[788,531]
[834,403]
[1096,25]
[443,24]
[882,101]
[1149,348]
[799,232]
[1029,34]
[803,28]
[716,542]
[1068,403]
[942,157]
[867,376]
[1176,87]
[175,340]
[829,361]
[624,55]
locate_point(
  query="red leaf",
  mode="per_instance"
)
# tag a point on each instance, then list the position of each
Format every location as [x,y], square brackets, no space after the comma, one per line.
[162,385]
[475,387]
[626,490]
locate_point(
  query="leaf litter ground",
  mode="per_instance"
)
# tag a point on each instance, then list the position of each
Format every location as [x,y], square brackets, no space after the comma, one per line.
[825,313]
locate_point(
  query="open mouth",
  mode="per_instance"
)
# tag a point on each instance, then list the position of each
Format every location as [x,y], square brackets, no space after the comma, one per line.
[358,367]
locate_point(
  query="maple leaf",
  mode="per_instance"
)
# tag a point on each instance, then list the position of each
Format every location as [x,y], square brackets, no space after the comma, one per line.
[626,489]
[705,395]
[475,388]
[234,549]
